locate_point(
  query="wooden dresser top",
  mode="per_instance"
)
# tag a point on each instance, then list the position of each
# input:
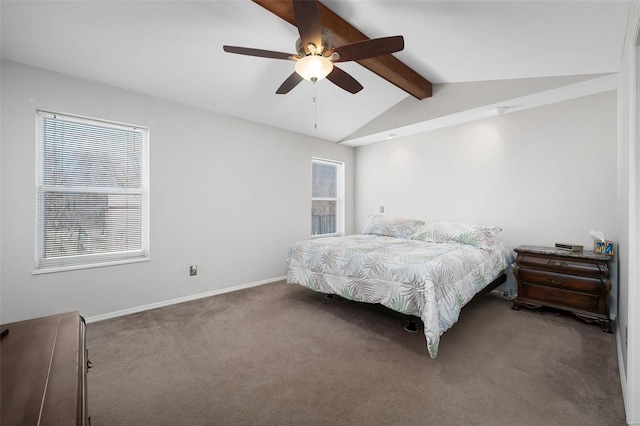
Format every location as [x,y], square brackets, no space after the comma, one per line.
[39,371]
[554,251]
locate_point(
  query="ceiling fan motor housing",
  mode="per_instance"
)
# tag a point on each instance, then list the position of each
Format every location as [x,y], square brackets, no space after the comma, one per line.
[326,45]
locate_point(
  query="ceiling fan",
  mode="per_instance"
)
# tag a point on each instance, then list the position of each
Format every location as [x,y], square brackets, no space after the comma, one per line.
[316,56]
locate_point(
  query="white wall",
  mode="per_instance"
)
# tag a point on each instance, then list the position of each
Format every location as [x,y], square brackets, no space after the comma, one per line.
[454,98]
[227,194]
[545,175]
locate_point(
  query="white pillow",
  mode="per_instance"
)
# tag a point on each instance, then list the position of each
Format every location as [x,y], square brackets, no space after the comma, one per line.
[469,233]
[392,227]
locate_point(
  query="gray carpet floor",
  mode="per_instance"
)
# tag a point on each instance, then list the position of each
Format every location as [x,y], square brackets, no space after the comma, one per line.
[280,354]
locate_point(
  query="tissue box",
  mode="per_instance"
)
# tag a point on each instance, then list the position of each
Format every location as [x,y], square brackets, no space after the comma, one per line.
[603,247]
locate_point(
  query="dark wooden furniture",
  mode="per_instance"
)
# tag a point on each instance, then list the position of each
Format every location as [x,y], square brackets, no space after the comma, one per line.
[43,372]
[341,32]
[573,281]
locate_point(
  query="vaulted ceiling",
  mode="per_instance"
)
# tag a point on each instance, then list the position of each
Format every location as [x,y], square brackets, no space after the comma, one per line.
[173,50]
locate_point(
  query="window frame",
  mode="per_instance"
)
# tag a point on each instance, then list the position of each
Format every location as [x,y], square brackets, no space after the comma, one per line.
[340,192]
[43,265]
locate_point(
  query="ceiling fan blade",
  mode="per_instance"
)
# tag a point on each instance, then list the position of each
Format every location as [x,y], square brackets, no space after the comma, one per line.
[344,80]
[308,22]
[260,53]
[368,48]
[289,84]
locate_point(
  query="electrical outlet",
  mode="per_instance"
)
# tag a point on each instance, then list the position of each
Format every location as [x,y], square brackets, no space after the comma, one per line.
[381,209]
[193,270]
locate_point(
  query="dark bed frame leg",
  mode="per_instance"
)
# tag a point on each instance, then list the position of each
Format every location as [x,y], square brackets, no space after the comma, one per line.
[411,327]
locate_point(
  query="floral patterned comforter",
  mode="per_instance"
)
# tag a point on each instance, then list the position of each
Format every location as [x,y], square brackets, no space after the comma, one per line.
[426,279]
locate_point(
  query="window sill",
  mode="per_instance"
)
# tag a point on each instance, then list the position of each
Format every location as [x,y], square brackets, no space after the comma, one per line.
[48,270]
[337,234]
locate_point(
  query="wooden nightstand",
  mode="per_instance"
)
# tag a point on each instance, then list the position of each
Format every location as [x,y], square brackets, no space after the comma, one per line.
[573,281]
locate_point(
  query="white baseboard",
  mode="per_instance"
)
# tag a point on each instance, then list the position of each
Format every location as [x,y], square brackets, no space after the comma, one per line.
[136,309]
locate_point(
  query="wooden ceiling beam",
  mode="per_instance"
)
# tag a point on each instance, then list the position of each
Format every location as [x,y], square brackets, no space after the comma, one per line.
[341,32]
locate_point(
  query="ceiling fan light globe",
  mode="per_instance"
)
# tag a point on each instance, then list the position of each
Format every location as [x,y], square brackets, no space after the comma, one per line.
[313,67]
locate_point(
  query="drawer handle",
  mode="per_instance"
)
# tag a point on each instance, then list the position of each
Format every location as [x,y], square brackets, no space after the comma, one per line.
[557,282]
[554,262]
[556,296]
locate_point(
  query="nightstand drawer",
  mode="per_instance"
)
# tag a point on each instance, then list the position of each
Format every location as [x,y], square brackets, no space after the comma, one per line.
[557,296]
[564,265]
[561,281]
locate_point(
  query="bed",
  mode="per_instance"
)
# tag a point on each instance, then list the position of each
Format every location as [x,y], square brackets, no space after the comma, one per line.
[425,270]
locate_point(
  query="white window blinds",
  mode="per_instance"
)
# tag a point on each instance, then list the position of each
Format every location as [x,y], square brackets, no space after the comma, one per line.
[327,187]
[92,195]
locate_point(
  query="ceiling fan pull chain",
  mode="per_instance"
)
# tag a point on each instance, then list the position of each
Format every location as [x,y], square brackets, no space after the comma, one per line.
[315,107]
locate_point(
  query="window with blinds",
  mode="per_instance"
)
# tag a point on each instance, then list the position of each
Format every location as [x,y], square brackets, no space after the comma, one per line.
[92,193]
[327,189]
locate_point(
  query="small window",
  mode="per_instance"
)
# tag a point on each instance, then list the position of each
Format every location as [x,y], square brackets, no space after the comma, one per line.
[327,206]
[92,193]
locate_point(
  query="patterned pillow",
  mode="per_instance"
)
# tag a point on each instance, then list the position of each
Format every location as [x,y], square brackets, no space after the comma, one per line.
[392,227]
[469,233]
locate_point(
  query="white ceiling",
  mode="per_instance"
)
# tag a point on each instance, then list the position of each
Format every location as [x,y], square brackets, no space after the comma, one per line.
[173,50]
